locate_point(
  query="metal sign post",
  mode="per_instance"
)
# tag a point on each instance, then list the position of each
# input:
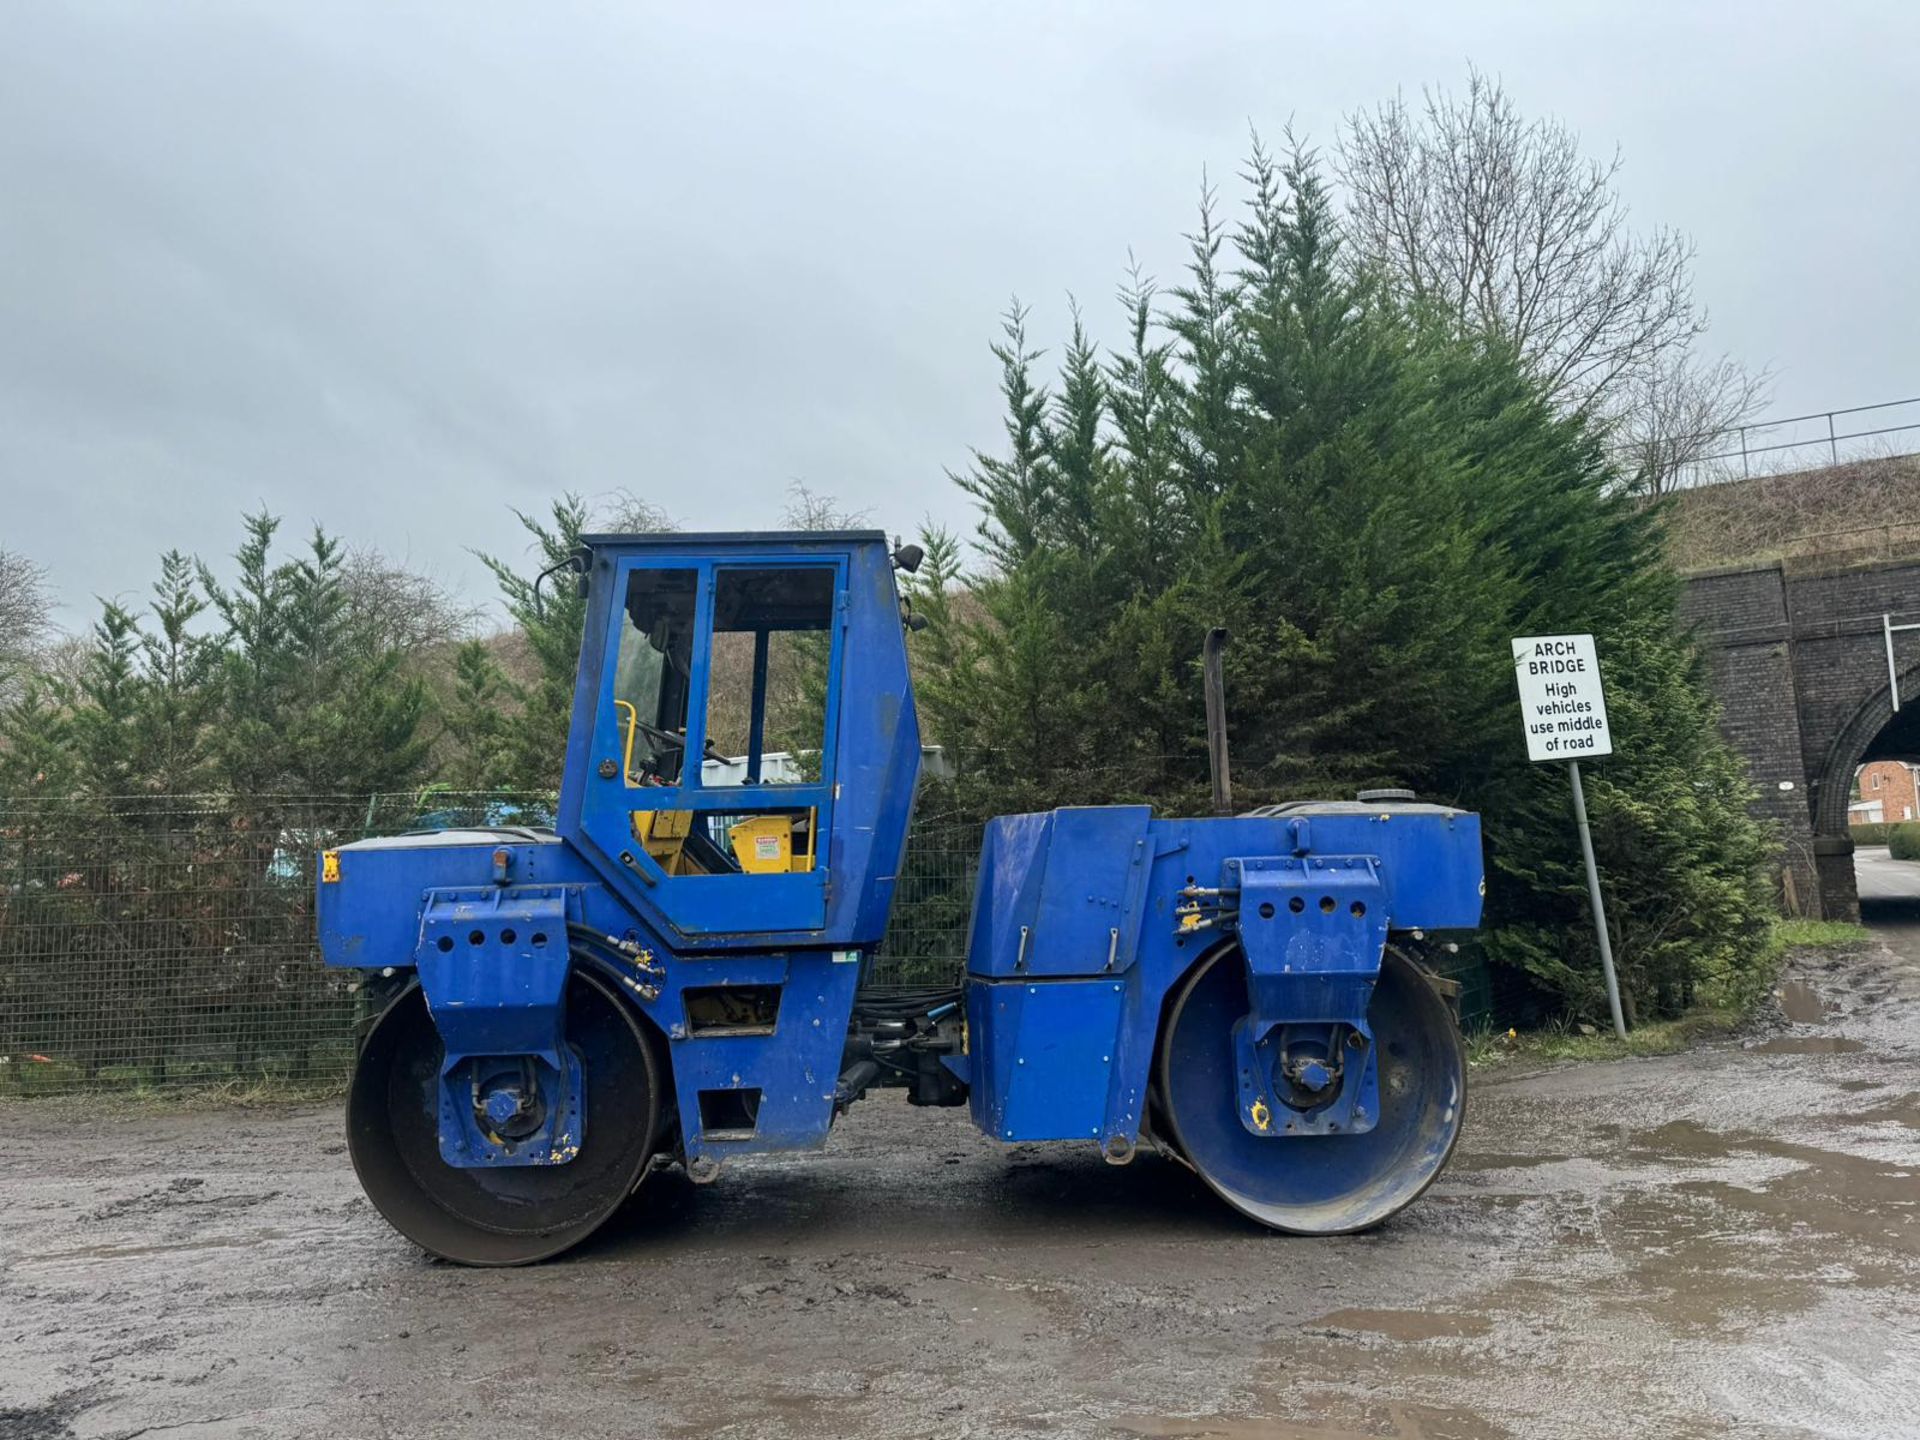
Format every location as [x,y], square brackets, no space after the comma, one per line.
[1889,629]
[1593,895]
[1565,710]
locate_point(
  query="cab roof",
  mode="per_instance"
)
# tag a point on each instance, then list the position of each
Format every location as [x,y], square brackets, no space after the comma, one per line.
[734,539]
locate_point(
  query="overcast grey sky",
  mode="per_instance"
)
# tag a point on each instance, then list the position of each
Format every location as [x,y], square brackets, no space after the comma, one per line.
[397,268]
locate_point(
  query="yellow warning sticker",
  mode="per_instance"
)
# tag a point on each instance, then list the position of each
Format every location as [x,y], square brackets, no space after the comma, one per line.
[330,867]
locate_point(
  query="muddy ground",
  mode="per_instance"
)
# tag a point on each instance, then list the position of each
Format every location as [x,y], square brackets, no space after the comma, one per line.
[1722,1242]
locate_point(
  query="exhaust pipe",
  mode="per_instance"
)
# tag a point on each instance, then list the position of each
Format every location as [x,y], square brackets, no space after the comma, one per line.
[1217,720]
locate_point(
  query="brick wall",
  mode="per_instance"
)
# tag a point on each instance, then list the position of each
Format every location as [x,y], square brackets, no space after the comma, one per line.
[1797,655]
[1740,619]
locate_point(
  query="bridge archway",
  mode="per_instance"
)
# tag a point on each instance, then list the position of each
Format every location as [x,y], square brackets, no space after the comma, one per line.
[1797,653]
[1874,731]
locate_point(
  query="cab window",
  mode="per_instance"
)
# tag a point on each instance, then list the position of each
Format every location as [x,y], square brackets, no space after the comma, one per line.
[653,678]
[767,688]
[737,660]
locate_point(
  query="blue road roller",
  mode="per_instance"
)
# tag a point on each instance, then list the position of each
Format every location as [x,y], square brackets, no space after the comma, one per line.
[674,973]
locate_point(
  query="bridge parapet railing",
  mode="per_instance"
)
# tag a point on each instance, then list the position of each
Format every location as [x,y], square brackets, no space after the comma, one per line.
[1819,439]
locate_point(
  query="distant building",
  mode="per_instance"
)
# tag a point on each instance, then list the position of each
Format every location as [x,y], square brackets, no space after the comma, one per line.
[1884,792]
[778,767]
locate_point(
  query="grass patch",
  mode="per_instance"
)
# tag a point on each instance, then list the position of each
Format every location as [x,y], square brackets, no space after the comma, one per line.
[1567,1039]
[1563,1040]
[1814,934]
[263,1096]
[257,1093]
[24,1078]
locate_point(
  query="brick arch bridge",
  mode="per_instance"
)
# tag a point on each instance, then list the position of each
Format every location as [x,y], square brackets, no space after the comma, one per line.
[1798,654]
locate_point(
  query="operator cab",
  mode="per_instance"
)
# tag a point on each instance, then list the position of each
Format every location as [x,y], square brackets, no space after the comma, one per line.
[712,680]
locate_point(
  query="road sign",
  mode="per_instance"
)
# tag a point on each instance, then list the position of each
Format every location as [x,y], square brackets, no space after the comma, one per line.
[1561,701]
[1565,712]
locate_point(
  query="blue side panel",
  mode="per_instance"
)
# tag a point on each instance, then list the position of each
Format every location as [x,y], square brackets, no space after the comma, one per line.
[879,756]
[1042,1057]
[794,1070]
[1012,854]
[1061,893]
[370,917]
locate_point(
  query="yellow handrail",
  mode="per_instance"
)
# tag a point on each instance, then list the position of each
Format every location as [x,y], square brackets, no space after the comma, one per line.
[633,726]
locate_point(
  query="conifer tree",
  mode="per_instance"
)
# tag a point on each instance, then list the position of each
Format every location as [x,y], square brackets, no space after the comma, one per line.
[476,723]
[106,725]
[535,747]
[1374,503]
[308,701]
[179,662]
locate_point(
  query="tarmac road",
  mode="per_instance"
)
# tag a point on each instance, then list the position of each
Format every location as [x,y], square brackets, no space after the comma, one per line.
[1722,1242]
[1888,888]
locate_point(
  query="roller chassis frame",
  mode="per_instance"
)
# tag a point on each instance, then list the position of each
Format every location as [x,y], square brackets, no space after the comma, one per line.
[1214,987]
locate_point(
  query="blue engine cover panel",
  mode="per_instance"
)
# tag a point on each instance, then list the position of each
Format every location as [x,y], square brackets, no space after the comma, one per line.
[1061,893]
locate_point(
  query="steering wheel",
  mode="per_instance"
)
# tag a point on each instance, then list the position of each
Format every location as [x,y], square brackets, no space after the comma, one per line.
[666,741]
[662,739]
[663,742]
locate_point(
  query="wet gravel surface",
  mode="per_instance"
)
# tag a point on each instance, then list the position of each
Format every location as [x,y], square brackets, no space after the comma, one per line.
[1722,1242]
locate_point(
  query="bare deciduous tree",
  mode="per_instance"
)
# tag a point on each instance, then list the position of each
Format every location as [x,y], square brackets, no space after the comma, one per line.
[24,611]
[405,610]
[1676,415]
[1503,222]
[808,509]
[624,513]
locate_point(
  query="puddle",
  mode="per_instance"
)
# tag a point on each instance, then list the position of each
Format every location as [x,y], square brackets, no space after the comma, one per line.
[1209,1427]
[1405,1324]
[1404,1422]
[1807,1045]
[1838,1207]
[1802,1004]
[121,1252]
[1698,1265]
[1494,1161]
[1901,1110]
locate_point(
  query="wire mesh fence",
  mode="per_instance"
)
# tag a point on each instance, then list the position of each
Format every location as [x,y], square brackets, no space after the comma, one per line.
[926,941]
[157,942]
[149,943]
